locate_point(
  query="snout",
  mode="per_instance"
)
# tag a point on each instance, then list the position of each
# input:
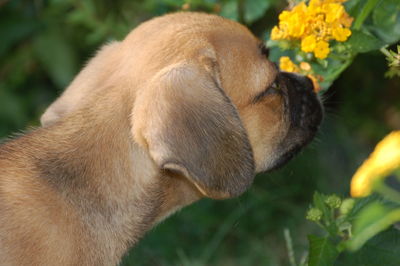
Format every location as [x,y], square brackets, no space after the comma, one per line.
[302,81]
[305,110]
[304,114]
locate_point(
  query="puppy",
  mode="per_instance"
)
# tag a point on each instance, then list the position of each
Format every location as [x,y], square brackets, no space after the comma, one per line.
[186,106]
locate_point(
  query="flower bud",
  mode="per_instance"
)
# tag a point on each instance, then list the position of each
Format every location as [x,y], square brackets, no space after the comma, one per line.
[346,206]
[333,201]
[314,214]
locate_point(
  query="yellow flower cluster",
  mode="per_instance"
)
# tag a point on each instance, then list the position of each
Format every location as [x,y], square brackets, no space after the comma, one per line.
[314,25]
[304,68]
[384,160]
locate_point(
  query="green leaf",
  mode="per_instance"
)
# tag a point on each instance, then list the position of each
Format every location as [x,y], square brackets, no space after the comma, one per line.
[361,42]
[13,29]
[57,56]
[328,221]
[230,10]
[386,13]
[12,113]
[363,14]
[373,219]
[255,9]
[386,21]
[322,251]
[359,205]
[382,249]
[319,202]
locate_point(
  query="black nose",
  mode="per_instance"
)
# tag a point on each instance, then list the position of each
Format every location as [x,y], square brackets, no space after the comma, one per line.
[299,83]
[303,82]
[304,105]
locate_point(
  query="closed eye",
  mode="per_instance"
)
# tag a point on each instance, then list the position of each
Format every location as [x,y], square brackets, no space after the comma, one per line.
[271,89]
[264,50]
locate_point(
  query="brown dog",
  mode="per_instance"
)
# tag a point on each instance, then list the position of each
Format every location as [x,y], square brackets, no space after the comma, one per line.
[187,106]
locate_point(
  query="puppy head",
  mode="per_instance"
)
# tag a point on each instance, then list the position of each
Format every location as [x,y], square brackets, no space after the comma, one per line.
[208,105]
[221,111]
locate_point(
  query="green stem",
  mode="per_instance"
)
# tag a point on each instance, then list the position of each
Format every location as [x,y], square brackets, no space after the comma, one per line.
[358,240]
[387,191]
[289,245]
[365,11]
[329,227]
[386,52]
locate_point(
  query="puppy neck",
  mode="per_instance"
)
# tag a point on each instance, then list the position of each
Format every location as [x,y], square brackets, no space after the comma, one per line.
[99,175]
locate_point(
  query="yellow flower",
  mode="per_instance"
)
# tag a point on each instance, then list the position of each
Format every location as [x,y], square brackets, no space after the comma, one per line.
[322,30]
[308,43]
[314,4]
[305,66]
[295,26]
[321,2]
[321,50]
[314,25]
[287,65]
[346,20]
[341,34]
[276,33]
[333,12]
[300,8]
[384,159]
[284,15]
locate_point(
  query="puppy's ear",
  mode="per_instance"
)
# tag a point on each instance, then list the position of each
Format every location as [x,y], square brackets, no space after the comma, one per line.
[190,126]
[92,78]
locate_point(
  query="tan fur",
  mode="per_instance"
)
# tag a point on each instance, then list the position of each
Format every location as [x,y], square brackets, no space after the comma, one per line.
[151,124]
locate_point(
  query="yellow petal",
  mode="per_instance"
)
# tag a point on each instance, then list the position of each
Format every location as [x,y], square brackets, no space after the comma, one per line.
[305,66]
[346,20]
[340,34]
[333,12]
[384,160]
[308,43]
[284,15]
[287,65]
[321,50]
[276,33]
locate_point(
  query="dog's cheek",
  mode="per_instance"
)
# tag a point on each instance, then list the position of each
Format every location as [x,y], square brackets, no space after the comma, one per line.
[266,126]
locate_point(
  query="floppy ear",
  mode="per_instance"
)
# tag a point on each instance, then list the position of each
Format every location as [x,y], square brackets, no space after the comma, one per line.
[190,126]
[88,81]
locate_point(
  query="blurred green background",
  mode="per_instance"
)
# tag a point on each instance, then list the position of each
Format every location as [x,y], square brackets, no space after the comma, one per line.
[44,44]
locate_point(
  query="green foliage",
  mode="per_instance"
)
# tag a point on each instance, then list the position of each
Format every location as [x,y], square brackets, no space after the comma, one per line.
[385,21]
[393,59]
[382,249]
[322,251]
[355,226]
[372,220]
[365,9]
[375,25]
[363,42]
[53,49]
[255,9]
